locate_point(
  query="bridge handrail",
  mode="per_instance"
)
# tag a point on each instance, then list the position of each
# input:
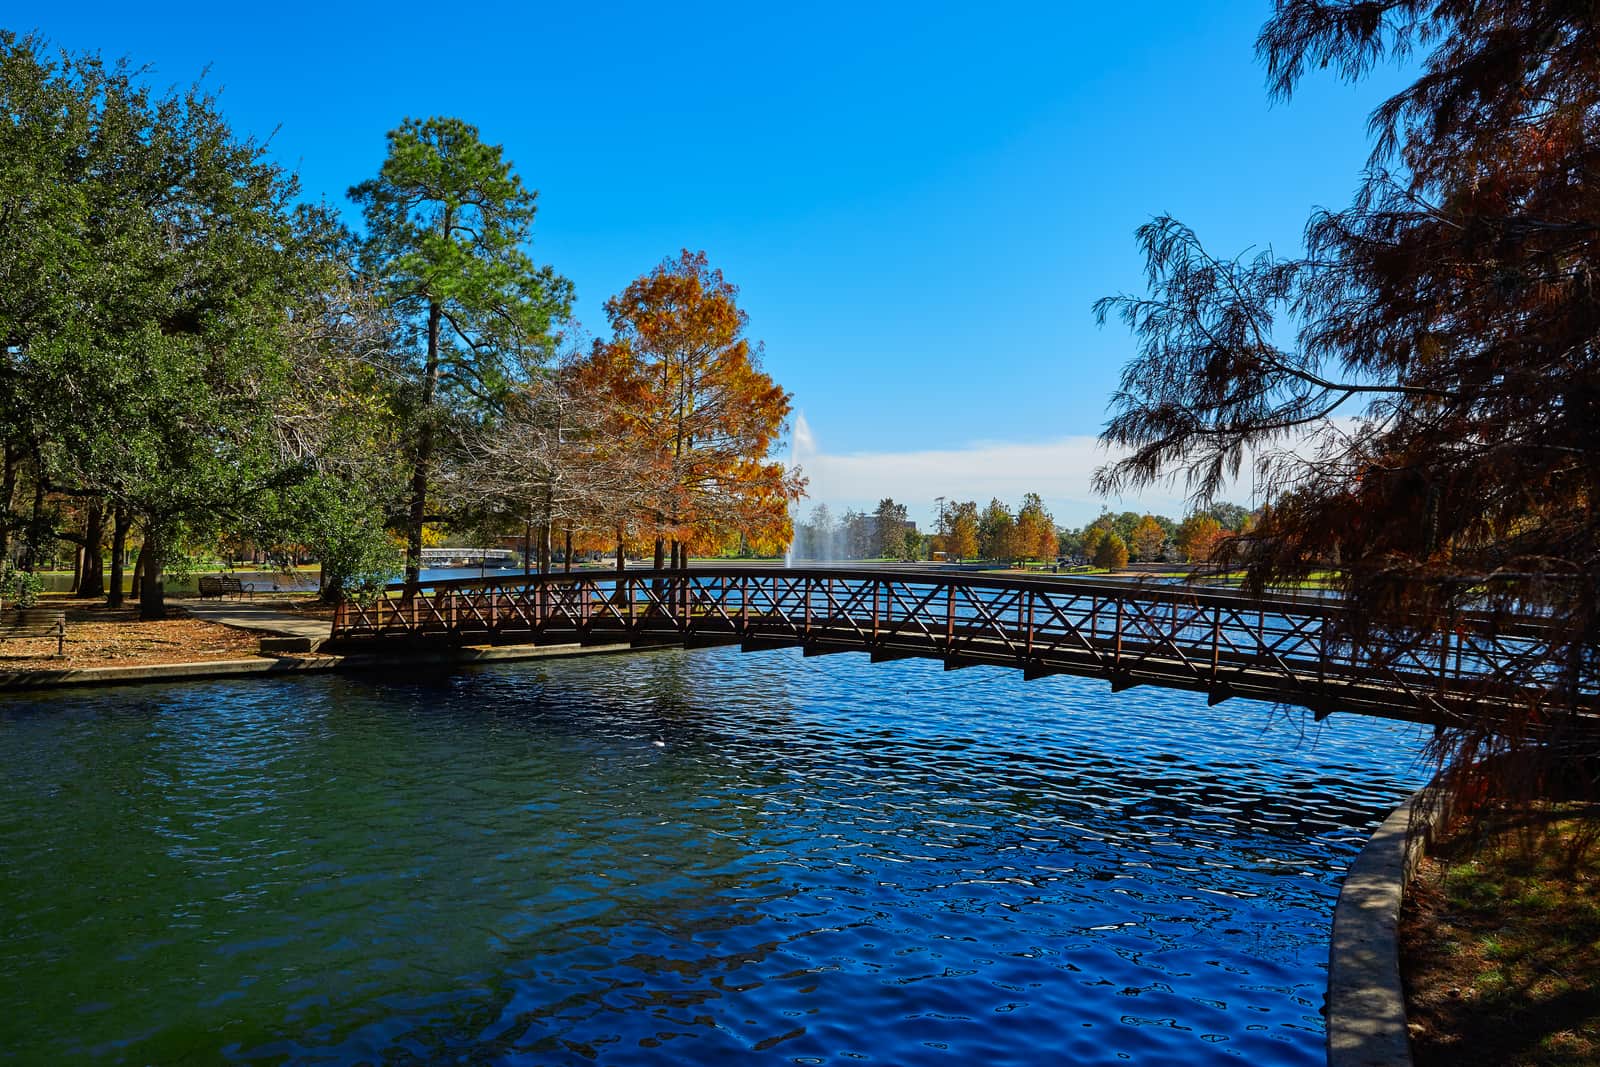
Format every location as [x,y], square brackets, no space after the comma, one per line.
[1164,592]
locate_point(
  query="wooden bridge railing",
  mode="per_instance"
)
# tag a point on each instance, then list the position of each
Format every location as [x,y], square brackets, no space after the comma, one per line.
[1222,643]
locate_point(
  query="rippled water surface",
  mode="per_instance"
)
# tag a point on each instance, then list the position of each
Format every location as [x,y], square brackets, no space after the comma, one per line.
[680,857]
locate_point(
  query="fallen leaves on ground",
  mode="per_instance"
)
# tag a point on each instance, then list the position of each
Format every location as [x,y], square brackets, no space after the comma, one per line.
[99,637]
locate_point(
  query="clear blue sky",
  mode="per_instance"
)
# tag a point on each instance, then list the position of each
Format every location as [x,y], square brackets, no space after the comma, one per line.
[919,202]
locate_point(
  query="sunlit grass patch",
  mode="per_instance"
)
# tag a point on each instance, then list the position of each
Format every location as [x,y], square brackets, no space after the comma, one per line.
[1502,944]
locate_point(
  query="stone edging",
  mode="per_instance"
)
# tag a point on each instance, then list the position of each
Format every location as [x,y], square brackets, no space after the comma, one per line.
[80,677]
[1366,1004]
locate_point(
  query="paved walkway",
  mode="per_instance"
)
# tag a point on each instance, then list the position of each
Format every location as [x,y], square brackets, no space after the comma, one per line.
[283,631]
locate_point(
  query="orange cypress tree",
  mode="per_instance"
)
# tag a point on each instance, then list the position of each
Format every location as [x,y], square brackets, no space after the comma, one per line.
[1036,530]
[1198,537]
[701,407]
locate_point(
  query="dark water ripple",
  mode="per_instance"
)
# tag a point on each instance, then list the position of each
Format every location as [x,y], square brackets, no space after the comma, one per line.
[675,858]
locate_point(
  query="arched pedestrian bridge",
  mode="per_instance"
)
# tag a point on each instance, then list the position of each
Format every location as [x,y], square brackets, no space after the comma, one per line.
[1219,642]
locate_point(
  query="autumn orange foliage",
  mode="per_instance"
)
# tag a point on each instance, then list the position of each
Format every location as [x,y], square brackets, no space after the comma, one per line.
[693,398]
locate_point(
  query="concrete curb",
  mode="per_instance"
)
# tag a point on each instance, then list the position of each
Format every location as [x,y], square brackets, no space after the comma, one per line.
[1366,1003]
[81,677]
[26,681]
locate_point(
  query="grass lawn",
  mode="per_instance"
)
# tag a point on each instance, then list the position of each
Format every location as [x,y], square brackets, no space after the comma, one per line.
[1501,945]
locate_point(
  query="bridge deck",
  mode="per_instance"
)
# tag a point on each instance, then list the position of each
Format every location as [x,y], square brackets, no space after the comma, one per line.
[1225,644]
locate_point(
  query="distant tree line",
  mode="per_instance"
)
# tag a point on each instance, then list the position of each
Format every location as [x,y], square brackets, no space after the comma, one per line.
[1027,534]
[1114,540]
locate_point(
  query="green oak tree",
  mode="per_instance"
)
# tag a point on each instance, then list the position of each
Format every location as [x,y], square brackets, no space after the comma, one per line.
[891,521]
[151,376]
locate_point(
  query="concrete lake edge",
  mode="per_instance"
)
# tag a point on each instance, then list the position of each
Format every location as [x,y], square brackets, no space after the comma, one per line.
[260,667]
[1366,1006]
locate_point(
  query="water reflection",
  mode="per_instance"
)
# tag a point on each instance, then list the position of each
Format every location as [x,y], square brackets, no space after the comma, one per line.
[676,856]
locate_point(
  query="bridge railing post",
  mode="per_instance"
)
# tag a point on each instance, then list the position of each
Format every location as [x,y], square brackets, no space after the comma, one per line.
[1028,645]
[1322,655]
[1216,641]
[1116,656]
[949,616]
[877,586]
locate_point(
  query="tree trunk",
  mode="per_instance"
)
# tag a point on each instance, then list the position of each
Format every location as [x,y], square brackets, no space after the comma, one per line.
[566,561]
[152,586]
[8,493]
[119,550]
[136,587]
[544,548]
[30,550]
[330,585]
[661,548]
[620,596]
[77,568]
[419,473]
[527,548]
[92,576]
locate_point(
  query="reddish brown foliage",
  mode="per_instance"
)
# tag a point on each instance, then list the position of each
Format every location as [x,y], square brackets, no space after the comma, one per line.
[1453,311]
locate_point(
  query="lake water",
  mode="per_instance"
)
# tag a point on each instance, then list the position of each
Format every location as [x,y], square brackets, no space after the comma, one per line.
[679,857]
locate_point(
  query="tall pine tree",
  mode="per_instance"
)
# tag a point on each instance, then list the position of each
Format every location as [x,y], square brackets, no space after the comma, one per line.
[448,223]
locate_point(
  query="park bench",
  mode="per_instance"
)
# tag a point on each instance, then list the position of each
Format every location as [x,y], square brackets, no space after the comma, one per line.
[220,585]
[36,622]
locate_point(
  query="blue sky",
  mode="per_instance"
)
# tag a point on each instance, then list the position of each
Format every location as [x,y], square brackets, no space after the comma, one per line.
[918,202]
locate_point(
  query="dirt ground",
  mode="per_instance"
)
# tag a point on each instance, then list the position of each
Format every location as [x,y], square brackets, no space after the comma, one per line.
[1500,946]
[98,637]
